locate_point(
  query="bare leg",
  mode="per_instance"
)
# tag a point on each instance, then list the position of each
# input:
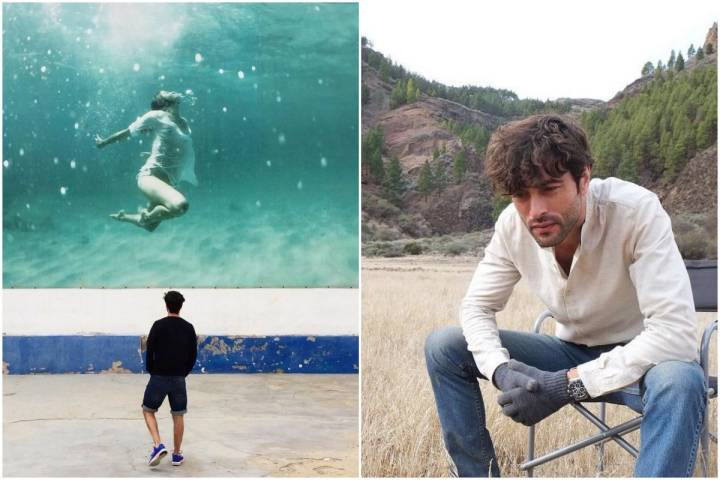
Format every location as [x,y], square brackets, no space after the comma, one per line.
[165,203]
[178,430]
[152,426]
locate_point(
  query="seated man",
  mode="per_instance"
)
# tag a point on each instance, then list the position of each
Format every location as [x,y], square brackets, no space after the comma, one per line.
[601,256]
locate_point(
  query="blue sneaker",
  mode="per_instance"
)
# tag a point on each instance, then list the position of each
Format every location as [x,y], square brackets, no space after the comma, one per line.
[177,459]
[157,454]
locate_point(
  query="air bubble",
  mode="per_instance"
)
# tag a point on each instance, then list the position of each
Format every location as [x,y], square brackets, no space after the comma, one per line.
[43,69]
[281,138]
[198,58]
[299,185]
[268,163]
[136,67]
[77,125]
[224,109]
[6,163]
[253,68]
[63,190]
[241,74]
[257,203]
[323,162]
[22,152]
[73,164]
[221,71]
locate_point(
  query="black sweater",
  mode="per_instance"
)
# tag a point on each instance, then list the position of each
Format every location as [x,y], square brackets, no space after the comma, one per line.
[171,347]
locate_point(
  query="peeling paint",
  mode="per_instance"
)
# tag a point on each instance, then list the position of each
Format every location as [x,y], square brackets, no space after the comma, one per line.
[217,346]
[216,354]
[116,368]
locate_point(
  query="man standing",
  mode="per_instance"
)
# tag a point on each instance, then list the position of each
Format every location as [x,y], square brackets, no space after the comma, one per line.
[170,355]
[601,256]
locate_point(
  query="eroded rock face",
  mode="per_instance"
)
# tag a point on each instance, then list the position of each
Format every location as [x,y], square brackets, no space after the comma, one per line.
[711,37]
[412,132]
[695,190]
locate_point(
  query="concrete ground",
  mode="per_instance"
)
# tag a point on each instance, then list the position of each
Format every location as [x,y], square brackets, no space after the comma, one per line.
[237,425]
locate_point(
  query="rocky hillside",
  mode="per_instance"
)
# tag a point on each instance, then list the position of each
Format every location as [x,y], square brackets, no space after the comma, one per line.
[429,129]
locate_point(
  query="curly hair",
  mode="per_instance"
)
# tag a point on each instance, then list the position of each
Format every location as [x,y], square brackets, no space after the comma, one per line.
[521,153]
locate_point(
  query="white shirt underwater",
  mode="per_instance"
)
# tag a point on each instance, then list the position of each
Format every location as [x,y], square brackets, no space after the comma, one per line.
[172,149]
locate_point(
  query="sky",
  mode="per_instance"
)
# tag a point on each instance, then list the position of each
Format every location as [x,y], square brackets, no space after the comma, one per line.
[544,50]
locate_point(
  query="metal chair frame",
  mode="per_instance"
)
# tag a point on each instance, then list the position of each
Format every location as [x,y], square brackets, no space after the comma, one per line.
[607,433]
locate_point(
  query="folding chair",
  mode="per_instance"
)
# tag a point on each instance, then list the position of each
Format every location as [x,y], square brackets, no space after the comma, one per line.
[703,278]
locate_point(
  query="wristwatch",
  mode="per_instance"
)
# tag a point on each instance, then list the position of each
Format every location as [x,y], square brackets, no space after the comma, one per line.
[576,390]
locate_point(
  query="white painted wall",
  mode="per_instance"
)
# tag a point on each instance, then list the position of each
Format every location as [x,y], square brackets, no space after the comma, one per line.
[211,311]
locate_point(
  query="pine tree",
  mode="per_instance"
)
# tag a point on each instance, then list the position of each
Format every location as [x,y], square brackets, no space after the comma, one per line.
[439,175]
[627,169]
[660,67]
[647,69]
[425,182]
[410,91]
[709,49]
[459,166]
[499,202]
[397,96]
[671,60]
[384,71]
[373,144]
[394,182]
[691,51]
[700,53]
[680,62]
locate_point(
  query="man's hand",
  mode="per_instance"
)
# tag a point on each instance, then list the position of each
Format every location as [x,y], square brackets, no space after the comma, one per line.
[530,406]
[505,378]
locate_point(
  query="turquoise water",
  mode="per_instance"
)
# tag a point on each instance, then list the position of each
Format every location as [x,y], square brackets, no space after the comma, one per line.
[274,125]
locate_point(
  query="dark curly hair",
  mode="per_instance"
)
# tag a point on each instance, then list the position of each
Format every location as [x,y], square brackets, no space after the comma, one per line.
[521,152]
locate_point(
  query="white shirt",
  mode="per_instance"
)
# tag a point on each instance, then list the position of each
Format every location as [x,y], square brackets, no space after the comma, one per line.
[172,149]
[627,283]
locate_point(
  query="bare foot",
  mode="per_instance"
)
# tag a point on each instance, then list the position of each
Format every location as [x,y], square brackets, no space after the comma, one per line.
[134,218]
[119,216]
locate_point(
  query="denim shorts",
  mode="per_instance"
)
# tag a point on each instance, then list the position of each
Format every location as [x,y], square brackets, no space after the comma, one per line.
[161,385]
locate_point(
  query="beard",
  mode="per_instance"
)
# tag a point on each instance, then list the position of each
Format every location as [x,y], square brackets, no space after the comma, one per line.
[551,229]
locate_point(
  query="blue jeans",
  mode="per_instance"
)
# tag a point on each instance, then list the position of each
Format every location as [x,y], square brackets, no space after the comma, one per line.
[671,396]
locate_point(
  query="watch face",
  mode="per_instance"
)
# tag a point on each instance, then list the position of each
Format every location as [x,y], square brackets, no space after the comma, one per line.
[577,391]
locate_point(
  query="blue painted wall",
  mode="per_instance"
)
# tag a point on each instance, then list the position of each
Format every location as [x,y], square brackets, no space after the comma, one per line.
[216,354]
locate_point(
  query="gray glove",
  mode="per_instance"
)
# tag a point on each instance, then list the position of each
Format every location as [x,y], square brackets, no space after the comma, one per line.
[530,406]
[505,378]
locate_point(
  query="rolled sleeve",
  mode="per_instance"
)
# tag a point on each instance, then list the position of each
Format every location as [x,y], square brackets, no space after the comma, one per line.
[665,298]
[489,290]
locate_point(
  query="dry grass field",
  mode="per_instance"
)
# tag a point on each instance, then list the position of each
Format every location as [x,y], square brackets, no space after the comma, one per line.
[404,299]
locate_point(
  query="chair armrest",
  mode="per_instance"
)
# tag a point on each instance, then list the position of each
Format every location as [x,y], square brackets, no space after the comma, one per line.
[540,320]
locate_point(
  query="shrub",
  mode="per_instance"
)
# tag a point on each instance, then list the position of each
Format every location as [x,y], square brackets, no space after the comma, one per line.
[412,248]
